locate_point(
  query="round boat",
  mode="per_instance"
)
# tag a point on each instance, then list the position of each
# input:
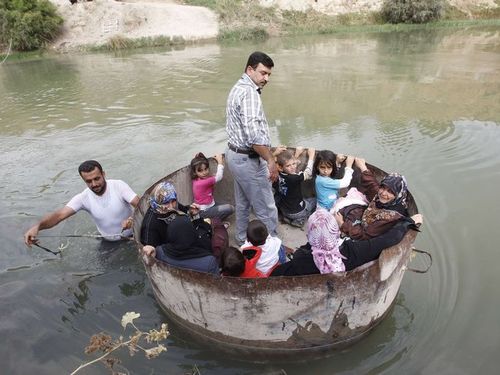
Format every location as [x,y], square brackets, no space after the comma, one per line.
[276,317]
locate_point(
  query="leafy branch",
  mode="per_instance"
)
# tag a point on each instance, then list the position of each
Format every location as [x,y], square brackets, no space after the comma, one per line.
[102,342]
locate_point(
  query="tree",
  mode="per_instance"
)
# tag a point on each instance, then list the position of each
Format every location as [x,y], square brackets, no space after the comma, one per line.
[28,24]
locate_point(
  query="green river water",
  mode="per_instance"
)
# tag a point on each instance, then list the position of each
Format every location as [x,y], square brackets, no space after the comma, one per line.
[424,103]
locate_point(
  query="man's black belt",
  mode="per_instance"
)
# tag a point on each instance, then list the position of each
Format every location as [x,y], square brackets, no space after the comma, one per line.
[250,152]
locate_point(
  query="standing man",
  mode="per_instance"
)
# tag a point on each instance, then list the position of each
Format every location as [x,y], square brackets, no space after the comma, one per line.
[109,202]
[248,155]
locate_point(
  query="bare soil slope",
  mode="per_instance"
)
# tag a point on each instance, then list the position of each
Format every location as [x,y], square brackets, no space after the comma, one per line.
[95,22]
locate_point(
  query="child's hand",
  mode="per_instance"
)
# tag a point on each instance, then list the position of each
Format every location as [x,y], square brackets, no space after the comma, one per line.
[311,153]
[298,151]
[194,209]
[279,149]
[219,158]
[340,158]
[349,161]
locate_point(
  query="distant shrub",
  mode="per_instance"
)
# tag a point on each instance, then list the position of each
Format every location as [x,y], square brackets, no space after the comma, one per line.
[412,11]
[29,24]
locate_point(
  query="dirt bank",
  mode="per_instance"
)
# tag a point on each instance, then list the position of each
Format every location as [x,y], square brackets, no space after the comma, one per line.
[91,23]
[94,22]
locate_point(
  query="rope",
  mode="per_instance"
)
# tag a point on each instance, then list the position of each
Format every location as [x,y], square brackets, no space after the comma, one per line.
[430,261]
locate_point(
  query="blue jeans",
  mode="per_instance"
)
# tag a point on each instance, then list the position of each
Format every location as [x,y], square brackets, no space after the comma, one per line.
[282,255]
[220,211]
[302,216]
[252,190]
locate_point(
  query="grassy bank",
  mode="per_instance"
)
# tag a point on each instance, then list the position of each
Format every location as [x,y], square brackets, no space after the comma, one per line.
[240,20]
[243,20]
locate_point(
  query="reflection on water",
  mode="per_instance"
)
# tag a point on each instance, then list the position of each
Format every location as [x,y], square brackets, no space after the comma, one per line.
[424,103]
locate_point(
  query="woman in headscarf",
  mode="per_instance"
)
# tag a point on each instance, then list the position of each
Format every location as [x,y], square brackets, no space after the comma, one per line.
[326,252]
[171,236]
[387,205]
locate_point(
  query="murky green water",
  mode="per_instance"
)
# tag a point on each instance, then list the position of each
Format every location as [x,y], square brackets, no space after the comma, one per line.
[425,103]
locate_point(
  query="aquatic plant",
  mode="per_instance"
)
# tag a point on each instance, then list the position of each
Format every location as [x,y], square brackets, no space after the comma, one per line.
[104,343]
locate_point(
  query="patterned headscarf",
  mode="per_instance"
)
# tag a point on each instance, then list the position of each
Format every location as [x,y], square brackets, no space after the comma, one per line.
[397,184]
[162,194]
[324,237]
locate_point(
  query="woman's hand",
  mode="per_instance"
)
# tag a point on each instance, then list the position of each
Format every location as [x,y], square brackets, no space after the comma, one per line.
[349,161]
[148,250]
[418,219]
[361,164]
[338,217]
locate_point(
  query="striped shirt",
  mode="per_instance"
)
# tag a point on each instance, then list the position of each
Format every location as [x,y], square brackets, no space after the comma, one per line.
[246,123]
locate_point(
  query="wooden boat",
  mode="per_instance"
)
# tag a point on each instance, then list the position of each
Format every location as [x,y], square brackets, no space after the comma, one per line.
[276,317]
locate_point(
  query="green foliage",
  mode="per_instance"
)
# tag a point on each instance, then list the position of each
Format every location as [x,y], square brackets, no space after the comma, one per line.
[244,33]
[119,42]
[412,11]
[29,24]
[212,4]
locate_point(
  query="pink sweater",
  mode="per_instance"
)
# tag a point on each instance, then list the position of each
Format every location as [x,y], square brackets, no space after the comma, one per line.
[203,188]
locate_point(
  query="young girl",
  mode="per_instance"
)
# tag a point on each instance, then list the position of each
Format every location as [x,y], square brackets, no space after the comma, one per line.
[327,187]
[203,187]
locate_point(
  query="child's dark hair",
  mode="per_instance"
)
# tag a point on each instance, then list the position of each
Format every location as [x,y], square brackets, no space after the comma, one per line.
[232,262]
[325,157]
[257,233]
[283,157]
[199,160]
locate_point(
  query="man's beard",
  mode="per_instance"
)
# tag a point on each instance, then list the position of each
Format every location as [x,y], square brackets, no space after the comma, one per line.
[103,189]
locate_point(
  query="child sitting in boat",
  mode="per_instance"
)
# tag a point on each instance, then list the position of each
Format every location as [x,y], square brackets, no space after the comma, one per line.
[294,208]
[203,187]
[327,186]
[268,251]
[241,263]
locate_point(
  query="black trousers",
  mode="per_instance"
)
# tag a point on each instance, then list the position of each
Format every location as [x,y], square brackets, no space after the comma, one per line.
[364,251]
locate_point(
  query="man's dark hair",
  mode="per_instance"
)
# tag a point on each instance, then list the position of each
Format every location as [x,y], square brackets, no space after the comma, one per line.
[259,57]
[257,233]
[88,166]
[232,262]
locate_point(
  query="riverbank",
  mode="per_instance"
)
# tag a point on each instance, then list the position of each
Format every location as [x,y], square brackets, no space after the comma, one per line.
[89,24]
[112,24]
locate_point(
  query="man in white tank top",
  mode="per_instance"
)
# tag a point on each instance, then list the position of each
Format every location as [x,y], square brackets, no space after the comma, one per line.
[109,202]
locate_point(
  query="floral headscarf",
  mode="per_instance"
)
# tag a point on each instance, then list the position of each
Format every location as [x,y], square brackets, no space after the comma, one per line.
[162,194]
[324,237]
[397,184]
